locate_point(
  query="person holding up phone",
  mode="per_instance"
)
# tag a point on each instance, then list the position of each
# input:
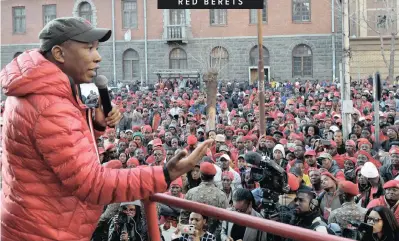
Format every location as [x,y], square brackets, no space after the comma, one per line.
[195,231]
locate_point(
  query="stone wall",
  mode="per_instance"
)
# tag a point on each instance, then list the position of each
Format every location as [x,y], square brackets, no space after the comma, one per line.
[198,51]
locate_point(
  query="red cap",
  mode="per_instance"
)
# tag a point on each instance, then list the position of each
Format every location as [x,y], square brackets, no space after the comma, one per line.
[191,140]
[348,187]
[133,161]
[391,184]
[208,169]
[147,128]
[310,153]
[293,182]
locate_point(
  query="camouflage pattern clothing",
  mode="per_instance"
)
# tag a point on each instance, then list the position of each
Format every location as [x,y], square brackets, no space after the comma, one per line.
[207,193]
[348,212]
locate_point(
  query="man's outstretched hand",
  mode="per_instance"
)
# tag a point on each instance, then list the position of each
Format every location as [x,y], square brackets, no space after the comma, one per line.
[181,163]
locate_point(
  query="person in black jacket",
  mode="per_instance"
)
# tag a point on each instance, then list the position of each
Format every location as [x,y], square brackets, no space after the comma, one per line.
[129,224]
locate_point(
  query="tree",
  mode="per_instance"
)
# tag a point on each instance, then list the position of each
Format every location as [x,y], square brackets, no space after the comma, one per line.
[384,24]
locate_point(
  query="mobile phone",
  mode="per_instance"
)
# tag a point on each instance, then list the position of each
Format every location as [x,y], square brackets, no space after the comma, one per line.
[187,229]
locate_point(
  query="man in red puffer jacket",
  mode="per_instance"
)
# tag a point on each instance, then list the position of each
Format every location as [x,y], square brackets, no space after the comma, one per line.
[54,186]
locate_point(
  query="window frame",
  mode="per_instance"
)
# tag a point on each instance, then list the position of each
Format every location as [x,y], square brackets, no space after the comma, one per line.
[178,60]
[91,11]
[302,61]
[212,14]
[264,14]
[14,8]
[257,57]
[310,11]
[44,6]
[226,61]
[132,25]
[131,62]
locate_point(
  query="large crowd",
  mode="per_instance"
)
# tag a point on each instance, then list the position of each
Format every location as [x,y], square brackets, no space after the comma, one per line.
[336,184]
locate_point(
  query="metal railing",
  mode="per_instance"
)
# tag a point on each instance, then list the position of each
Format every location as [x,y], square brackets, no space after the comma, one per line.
[269,226]
[176,32]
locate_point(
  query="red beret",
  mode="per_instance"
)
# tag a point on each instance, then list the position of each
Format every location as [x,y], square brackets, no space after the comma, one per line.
[229,128]
[330,176]
[208,169]
[147,128]
[157,142]
[293,182]
[247,138]
[228,174]
[191,140]
[133,160]
[136,128]
[348,187]
[270,138]
[391,184]
[178,182]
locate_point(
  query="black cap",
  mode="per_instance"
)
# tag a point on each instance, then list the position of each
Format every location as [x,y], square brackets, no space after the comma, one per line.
[60,30]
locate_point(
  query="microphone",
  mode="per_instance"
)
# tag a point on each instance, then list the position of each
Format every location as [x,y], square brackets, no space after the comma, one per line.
[253,158]
[102,84]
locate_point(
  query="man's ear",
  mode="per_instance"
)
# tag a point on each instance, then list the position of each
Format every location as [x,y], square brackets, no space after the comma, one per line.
[58,54]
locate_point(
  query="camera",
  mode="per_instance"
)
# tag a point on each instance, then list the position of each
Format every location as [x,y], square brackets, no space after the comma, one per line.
[357,231]
[187,229]
[271,177]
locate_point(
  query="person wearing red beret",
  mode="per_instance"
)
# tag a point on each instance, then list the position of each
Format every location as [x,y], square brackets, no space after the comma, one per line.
[329,199]
[208,193]
[390,199]
[391,170]
[349,211]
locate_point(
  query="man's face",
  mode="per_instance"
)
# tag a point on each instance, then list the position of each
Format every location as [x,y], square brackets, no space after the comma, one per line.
[270,144]
[139,155]
[129,136]
[315,177]
[332,150]
[311,160]
[226,182]
[175,190]
[113,153]
[327,182]
[148,135]
[349,148]
[338,137]
[248,144]
[225,163]
[78,60]
[392,194]
[302,202]
[168,136]
[326,163]
[298,152]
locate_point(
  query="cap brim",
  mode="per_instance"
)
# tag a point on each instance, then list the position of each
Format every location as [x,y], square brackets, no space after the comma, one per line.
[95,34]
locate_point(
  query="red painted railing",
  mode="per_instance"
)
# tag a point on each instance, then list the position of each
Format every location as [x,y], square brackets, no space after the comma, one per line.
[272,227]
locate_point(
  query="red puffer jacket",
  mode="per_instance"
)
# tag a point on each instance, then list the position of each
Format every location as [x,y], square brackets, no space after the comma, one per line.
[54,187]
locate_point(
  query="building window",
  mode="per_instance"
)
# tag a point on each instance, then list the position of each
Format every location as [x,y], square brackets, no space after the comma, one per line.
[178,59]
[85,11]
[302,61]
[129,13]
[218,16]
[49,13]
[220,61]
[301,10]
[177,17]
[131,65]
[254,56]
[19,19]
[253,14]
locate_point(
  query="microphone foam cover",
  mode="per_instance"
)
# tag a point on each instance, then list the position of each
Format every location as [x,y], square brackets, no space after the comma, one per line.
[101,81]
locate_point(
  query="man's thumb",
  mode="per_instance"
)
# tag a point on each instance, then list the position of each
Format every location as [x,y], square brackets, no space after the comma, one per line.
[180,155]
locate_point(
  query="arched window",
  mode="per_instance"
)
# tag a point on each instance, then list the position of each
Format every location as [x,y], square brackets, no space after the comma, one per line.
[17,54]
[220,61]
[177,59]
[254,56]
[85,11]
[131,65]
[302,61]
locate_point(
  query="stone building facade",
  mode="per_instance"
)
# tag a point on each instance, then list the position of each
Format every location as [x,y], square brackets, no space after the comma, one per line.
[194,40]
